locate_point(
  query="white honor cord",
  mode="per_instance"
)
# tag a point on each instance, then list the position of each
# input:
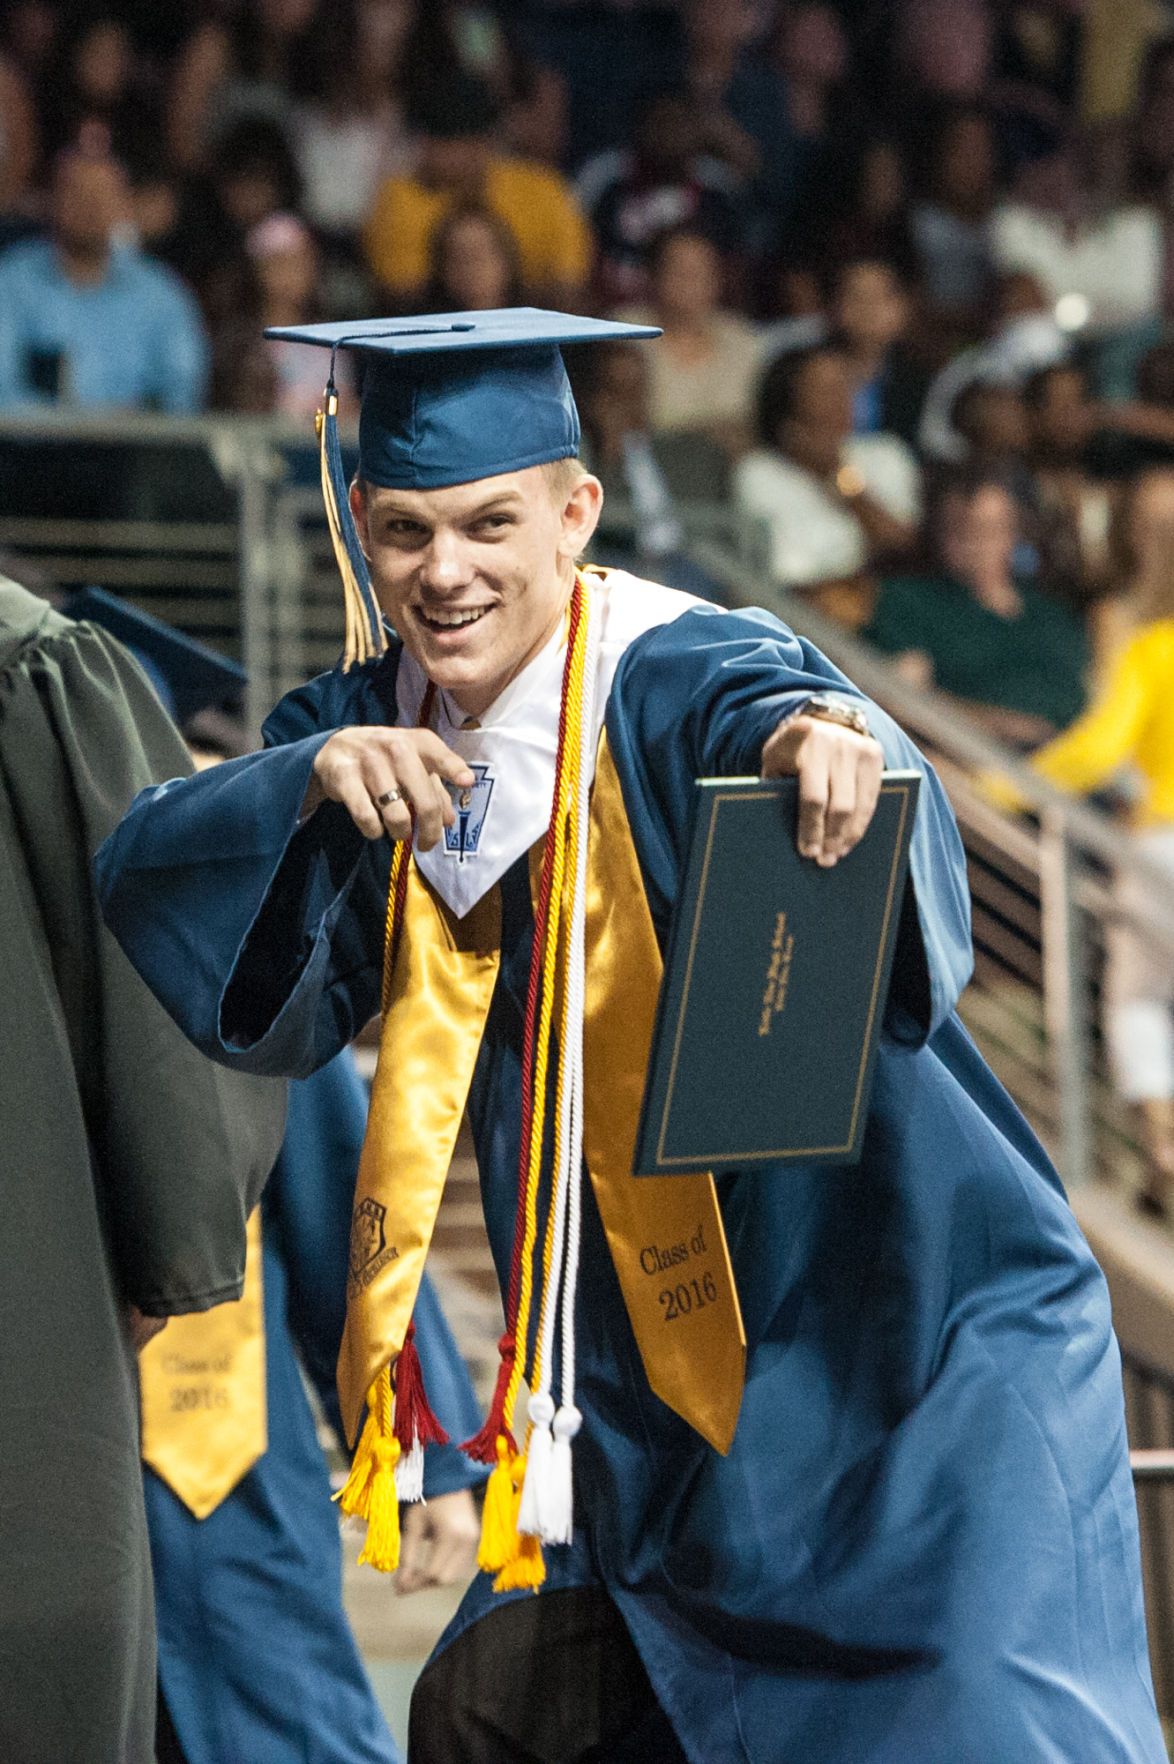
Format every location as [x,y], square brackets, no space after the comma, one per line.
[576,987]
[545,1509]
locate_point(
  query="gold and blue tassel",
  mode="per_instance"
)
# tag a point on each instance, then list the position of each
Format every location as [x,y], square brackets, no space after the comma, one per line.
[365,636]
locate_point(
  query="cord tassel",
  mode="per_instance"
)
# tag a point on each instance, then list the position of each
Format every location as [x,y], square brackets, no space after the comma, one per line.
[483,1447]
[354,1495]
[560,1510]
[499,1530]
[521,1563]
[525,1569]
[533,1510]
[381,1549]
[415,1424]
[369,1491]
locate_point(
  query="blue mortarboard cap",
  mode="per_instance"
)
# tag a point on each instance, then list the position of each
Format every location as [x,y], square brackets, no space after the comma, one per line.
[187,675]
[453,397]
[448,398]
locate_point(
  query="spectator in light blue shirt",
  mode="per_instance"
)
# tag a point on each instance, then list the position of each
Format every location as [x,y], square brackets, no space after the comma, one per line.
[88,322]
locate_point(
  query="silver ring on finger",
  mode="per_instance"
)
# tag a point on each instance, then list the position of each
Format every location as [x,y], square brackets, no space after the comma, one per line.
[388,796]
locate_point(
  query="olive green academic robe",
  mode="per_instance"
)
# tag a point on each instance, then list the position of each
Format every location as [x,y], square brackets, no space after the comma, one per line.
[128,1163]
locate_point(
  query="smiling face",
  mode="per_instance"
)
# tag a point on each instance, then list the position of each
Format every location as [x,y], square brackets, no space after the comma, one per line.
[475,577]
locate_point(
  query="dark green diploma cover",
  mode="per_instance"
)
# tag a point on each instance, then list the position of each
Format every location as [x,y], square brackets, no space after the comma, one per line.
[775,984]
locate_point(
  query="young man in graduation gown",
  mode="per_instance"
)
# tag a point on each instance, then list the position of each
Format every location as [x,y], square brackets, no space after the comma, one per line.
[256,1657]
[128,1164]
[883,1510]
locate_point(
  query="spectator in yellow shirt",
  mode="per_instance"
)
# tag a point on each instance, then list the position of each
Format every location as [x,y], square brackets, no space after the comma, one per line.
[458,163]
[1130,723]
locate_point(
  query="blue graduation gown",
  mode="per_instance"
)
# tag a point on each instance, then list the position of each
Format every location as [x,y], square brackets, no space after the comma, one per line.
[256,1657]
[923,1542]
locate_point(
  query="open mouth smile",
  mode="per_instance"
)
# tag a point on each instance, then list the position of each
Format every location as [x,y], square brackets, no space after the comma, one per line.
[451,621]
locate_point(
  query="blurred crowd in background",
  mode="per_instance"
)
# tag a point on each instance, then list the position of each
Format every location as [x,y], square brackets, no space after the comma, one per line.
[912,259]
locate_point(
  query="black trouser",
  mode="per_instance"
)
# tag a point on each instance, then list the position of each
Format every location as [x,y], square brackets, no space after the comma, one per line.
[554,1679]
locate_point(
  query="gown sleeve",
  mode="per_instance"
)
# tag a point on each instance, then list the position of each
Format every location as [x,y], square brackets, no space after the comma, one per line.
[698,698]
[260,934]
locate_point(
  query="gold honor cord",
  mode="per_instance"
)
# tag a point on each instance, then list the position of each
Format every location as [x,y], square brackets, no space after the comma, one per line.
[665,1233]
[203,1394]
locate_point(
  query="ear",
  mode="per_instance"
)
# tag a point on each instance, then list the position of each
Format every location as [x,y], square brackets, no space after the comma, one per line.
[580,516]
[358,502]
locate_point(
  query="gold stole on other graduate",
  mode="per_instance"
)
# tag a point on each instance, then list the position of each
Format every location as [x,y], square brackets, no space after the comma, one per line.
[202,1381]
[441,987]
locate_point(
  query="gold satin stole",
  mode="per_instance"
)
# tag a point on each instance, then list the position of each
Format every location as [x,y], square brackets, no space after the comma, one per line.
[202,1381]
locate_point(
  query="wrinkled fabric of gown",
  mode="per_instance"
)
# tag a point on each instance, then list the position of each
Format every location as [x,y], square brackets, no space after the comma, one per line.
[923,1542]
[256,1657]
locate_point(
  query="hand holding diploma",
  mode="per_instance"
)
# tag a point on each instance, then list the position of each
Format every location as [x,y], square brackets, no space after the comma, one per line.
[839,773]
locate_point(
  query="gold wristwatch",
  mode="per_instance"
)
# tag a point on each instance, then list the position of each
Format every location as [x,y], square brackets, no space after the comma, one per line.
[832,707]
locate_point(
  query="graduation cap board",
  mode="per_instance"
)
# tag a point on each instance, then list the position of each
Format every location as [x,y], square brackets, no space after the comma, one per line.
[187,675]
[448,398]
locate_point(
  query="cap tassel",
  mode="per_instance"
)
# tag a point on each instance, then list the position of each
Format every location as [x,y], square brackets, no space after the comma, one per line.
[416,1425]
[365,636]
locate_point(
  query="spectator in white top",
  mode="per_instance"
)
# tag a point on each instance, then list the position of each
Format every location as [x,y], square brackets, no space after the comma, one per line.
[347,127]
[705,369]
[1099,258]
[1024,338]
[834,504]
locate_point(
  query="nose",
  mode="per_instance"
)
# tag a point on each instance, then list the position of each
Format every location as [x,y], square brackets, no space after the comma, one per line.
[445,566]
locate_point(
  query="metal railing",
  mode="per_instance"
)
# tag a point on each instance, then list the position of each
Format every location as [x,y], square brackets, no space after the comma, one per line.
[188,518]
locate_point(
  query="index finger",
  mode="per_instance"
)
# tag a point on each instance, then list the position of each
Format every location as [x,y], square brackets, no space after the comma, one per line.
[442,760]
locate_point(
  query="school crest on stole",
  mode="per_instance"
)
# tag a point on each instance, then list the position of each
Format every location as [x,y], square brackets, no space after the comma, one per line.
[462,839]
[370,1250]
